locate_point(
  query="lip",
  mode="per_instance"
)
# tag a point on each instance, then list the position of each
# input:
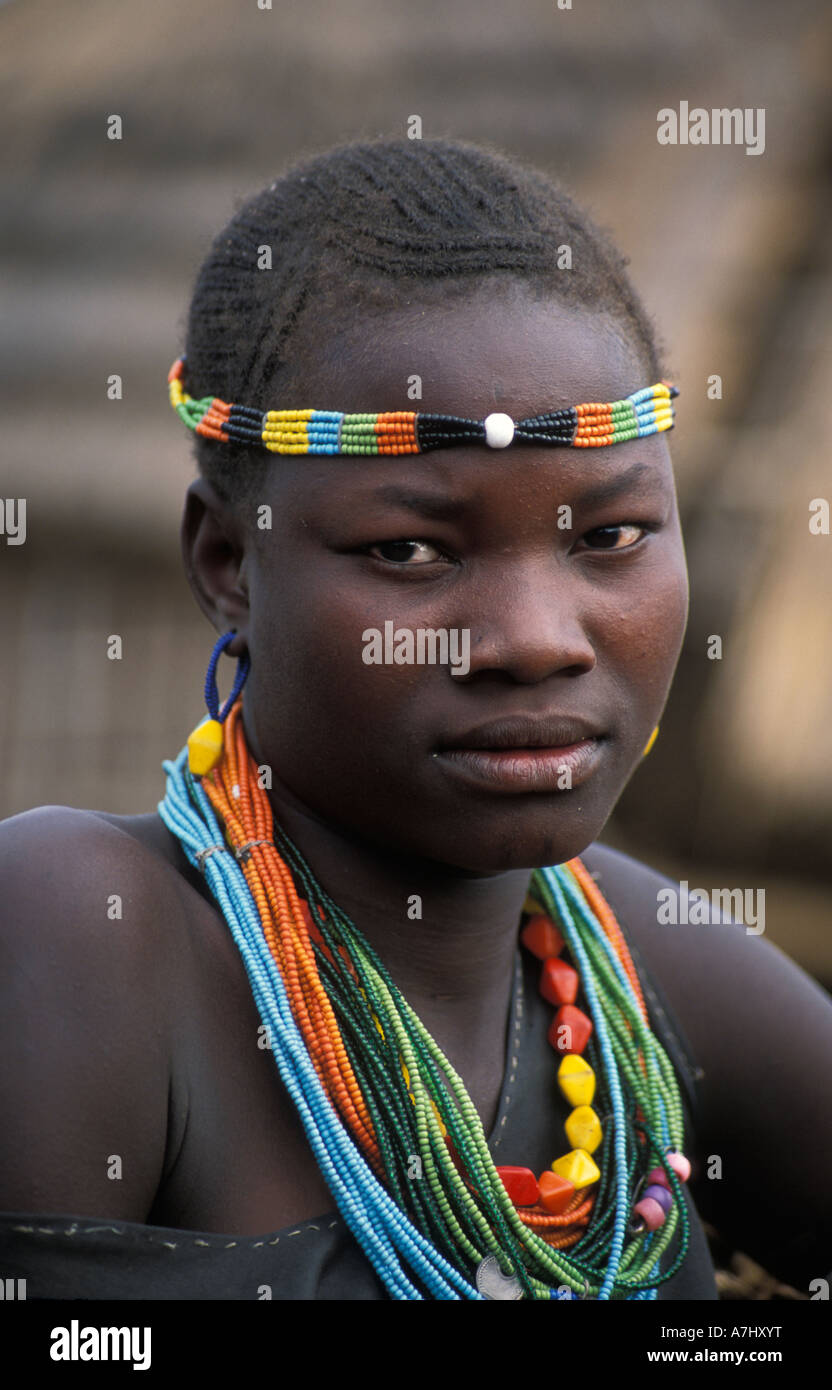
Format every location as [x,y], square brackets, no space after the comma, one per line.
[525,731]
[524,754]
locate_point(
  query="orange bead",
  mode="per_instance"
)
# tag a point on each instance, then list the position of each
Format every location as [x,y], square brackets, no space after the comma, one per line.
[555,1192]
[520,1184]
[570,1030]
[541,937]
[558,981]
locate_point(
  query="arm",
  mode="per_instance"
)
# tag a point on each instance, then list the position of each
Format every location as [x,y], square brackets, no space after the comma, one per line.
[761,1029]
[85,1075]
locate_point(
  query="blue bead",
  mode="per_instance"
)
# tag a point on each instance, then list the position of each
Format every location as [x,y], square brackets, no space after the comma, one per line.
[384,1233]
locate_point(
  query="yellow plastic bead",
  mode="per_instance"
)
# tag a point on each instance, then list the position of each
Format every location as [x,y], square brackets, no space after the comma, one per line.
[442,1130]
[651,740]
[205,747]
[405,1072]
[583,1129]
[374,1017]
[578,1168]
[576,1080]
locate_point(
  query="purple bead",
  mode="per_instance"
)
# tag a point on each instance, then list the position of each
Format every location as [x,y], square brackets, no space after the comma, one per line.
[660,1195]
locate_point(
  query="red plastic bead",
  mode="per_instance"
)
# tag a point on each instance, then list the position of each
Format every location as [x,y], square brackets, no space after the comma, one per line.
[455,1158]
[541,937]
[579,1026]
[521,1186]
[555,1192]
[559,982]
[313,929]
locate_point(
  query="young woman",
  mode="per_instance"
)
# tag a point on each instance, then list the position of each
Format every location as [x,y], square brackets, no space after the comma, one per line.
[342,1042]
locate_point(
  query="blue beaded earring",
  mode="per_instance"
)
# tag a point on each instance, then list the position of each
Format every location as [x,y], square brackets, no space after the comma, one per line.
[205,744]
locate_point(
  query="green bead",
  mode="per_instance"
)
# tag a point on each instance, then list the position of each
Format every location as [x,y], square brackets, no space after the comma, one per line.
[462,1223]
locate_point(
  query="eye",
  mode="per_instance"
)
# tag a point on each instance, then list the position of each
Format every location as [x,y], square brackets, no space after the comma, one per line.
[615,537]
[408,553]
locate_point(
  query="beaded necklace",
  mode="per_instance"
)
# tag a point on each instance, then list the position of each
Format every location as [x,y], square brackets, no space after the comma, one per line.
[391,1125]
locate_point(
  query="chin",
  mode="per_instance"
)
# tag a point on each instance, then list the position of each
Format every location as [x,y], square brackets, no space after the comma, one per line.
[534,850]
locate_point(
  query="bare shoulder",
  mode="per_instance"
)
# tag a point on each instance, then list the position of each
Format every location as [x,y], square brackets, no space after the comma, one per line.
[683,955]
[87,967]
[71,877]
[721,976]
[761,1030]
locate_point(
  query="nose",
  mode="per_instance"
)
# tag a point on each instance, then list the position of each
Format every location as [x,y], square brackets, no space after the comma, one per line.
[530,625]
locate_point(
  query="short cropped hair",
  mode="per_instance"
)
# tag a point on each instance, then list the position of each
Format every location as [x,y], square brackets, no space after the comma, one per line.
[356,229]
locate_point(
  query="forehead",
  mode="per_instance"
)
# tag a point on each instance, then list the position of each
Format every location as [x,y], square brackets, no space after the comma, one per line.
[503,349]
[499,345]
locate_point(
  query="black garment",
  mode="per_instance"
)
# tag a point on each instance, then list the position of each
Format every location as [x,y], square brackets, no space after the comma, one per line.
[66,1257]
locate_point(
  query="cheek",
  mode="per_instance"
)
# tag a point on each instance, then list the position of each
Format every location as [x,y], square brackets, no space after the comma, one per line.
[343,736]
[310,649]
[643,631]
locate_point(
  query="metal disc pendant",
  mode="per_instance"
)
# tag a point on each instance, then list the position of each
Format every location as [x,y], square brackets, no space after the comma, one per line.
[492,1283]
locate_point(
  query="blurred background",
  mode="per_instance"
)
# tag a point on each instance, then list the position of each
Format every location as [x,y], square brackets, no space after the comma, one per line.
[731,252]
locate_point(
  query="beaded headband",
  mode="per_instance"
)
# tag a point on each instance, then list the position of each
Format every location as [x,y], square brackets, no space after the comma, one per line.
[592,425]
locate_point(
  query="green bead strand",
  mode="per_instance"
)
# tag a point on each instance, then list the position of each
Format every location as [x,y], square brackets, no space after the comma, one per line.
[468,1224]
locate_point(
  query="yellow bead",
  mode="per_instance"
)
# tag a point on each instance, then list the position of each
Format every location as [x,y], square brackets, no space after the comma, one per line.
[651,740]
[405,1072]
[442,1130]
[533,908]
[205,747]
[578,1168]
[374,1017]
[583,1129]
[576,1080]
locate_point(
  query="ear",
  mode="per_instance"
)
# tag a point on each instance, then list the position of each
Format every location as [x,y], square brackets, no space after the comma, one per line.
[213,551]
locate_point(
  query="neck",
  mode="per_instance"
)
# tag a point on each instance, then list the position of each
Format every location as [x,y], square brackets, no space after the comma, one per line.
[439,931]
[447,938]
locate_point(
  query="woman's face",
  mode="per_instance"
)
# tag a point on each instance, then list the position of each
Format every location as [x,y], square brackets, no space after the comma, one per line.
[565,567]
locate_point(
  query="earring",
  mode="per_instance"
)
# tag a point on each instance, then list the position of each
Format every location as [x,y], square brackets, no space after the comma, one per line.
[651,740]
[205,745]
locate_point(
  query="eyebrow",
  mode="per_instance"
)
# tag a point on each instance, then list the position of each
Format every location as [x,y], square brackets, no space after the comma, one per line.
[426,503]
[440,508]
[611,488]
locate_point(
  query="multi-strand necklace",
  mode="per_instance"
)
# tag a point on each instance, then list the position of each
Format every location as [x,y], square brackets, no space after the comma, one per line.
[389,1121]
